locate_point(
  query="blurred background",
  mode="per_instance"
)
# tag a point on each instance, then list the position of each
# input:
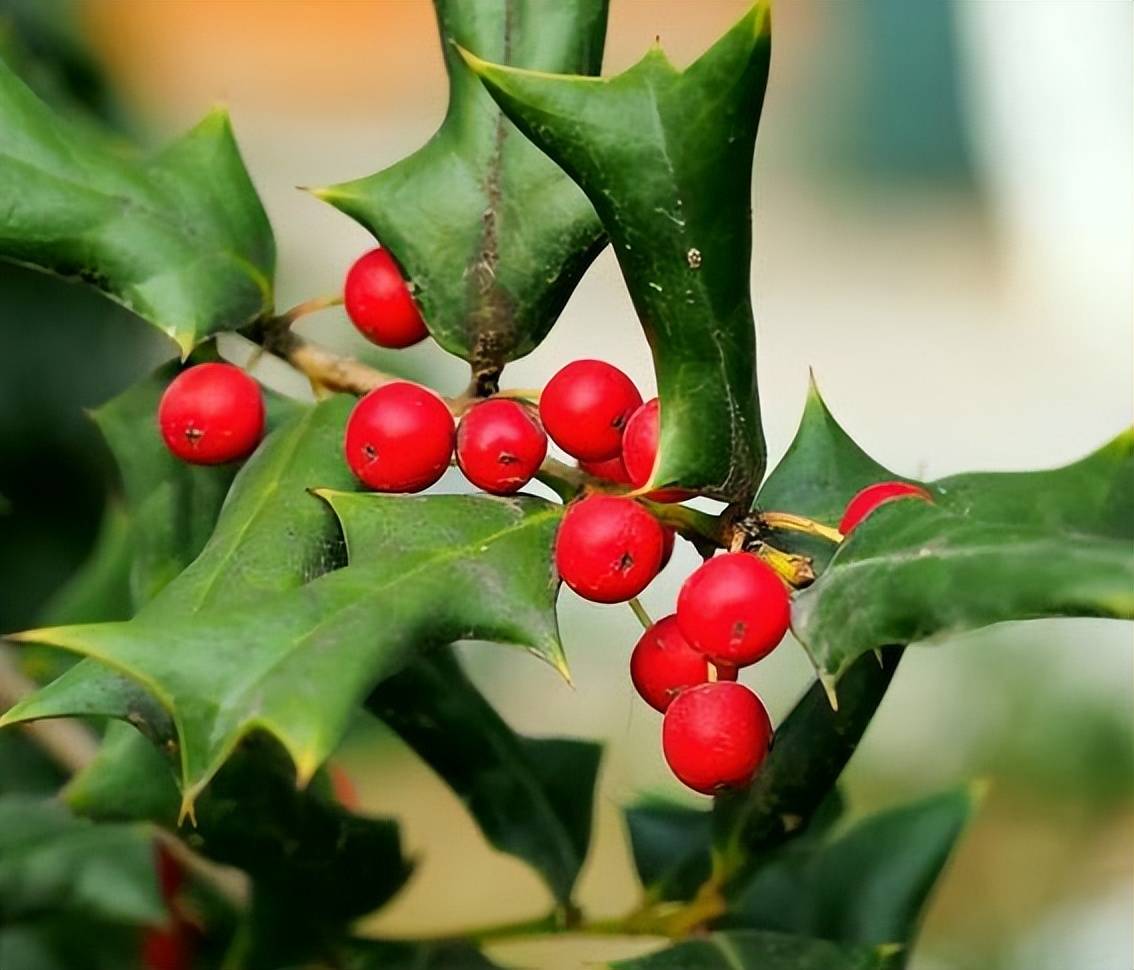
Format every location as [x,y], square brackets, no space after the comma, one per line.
[943,205]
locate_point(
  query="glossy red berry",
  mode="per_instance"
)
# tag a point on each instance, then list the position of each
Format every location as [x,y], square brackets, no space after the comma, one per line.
[379,302]
[500,446]
[211,414]
[640,451]
[585,408]
[715,736]
[399,438]
[611,470]
[608,548]
[734,609]
[167,949]
[866,501]
[663,664]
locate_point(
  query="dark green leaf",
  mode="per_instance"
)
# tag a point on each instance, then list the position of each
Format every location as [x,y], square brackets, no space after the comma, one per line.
[869,885]
[671,846]
[759,950]
[532,797]
[52,862]
[181,238]
[24,768]
[810,750]
[665,156]
[492,234]
[425,571]
[992,547]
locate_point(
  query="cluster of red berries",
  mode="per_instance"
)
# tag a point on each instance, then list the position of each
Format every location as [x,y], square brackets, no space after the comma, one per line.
[401,437]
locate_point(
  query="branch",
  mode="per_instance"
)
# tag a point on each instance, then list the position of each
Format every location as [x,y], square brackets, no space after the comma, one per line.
[68,743]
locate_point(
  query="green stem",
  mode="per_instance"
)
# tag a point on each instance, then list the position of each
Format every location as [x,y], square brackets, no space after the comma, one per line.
[640,612]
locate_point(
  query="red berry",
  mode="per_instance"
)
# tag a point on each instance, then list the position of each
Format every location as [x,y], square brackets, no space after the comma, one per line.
[170,874]
[399,438]
[500,446]
[343,788]
[640,451]
[715,736]
[211,414]
[585,407]
[610,470]
[608,548]
[866,501]
[663,664]
[169,949]
[380,304]
[734,609]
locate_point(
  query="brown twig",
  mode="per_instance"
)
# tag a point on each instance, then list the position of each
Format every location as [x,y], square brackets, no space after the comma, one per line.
[68,743]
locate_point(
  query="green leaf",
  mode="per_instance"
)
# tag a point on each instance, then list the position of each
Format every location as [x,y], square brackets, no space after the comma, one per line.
[493,236]
[172,505]
[1049,543]
[413,955]
[52,862]
[181,238]
[425,571]
[671,845]
[760,950]
[810,750]
[665,156]
[868,885]
[532,797]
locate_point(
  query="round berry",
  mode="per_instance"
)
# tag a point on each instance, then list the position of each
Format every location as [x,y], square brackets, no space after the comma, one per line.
[663,664]
[211,413]
[640,451]
[866,501]
[734,609]
[608,548]
[610,470]
[380,304]
[399,438]
[715,736]
[500,446]
[585,408]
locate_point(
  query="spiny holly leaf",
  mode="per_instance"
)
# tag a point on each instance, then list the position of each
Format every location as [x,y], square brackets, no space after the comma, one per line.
[869,885]
[172,505]
[1049,543]
[181,238]
[665,156]
[532,797]
[271,537]
[492,234]
[425,571]
[52,862]
[761,950]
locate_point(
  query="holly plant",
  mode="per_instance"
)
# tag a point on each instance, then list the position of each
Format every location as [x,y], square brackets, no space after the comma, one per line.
[289,563]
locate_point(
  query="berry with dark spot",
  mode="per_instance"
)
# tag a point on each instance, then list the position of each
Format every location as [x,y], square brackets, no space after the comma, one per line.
[500,446]
[380,304]
[640,452]
[585,407]
[608,548]
[716,736]
[399,438]
[663,664]
[734,609]
[211,414]
[866,501]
